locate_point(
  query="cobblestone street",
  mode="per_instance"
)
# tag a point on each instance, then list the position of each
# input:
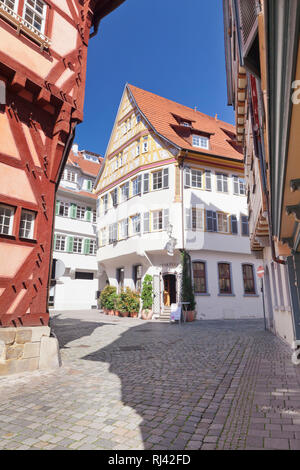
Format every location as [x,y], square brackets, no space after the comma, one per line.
[131,384]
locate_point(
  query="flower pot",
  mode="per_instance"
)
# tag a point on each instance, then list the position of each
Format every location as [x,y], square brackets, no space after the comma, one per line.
[117,313]
[133,314]
[124,314]
[105,311]
[111,312]
[190,315]
[146,314]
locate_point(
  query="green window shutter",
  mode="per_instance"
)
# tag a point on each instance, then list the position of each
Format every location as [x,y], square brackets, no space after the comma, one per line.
[89,185]
[70,245]
[57,207]
[54,241]
[73,211]
[89,214]
[86,248]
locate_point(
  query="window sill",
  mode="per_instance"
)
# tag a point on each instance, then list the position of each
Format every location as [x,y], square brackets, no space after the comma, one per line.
[29,240]
[8,236]
[202,294]
[251,295]
[226,295]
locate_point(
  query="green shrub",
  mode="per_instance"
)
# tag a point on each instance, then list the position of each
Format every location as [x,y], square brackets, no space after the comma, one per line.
[108,297]
[128,301]
[147,292]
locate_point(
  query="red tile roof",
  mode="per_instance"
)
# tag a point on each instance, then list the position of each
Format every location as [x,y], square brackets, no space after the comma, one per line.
[87,166]
[164,115]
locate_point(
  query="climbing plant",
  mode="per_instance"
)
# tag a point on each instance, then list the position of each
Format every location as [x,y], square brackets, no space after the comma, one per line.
[147,292]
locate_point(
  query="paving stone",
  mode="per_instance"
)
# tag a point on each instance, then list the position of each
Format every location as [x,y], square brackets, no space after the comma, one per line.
[209,385]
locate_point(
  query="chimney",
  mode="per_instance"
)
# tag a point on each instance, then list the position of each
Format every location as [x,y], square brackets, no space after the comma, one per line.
[216,117]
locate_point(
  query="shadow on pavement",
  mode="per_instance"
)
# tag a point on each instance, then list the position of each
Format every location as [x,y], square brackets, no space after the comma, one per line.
[70,329]
[171,373]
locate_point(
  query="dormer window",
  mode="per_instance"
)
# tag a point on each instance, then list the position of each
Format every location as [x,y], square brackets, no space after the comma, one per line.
[200,141]
[186,124]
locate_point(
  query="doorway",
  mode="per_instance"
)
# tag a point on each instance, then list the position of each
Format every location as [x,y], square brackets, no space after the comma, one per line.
[169,289]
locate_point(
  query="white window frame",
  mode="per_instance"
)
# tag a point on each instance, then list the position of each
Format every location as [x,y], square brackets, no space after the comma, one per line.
[59,241]
[37,13]
[28,224]
[80,212]
[135,223]
[8,212]
[157,220]
[200,141]
[15,3]
[78,242]
[92,247]
[223,179]
[225,221]
[240,182]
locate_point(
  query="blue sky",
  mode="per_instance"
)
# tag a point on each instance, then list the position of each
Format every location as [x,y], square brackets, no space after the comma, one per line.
[169,47]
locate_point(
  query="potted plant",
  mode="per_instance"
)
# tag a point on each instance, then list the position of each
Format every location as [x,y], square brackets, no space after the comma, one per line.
[187,291]
[147,297]
[128,303]
[108,299]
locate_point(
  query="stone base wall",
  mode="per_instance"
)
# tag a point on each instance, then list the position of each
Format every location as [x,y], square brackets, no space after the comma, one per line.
[24,349]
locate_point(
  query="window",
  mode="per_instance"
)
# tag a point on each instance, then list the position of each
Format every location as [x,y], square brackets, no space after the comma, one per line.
[208,180]
[114,197]
[248,277]
[199,141]
[224,278]
[157,220]
[80,212]
[27,224]
[245,226]
[138,118]
[137,277]
[146,183]
[94,216]
[223,225]
[137,186]
[193,178]
[84,275]
[105,203]
[186,124]
[199,276]
[145,144]
[239,186]
[88,185]
[92,247]
[13,4]
[35,13]
[6,219]
[113,232]
[211,221]
[60,243]
[77,245]
[125,191]
[160,179]
[136,224]
[197,218]
[222,183]
[63,209]
[234,225]
[123,225]
[70,176]
[137,150]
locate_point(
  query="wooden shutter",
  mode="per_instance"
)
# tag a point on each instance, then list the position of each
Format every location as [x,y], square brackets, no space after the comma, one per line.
[165,218]
[86,247]
[188,218]
[73,211]
[146,222]
[166,178]
[187,174]
[70,242]
[146,183]
[89,214]
[57,207]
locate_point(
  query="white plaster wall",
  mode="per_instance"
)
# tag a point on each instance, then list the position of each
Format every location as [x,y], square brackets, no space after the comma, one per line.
[280,300]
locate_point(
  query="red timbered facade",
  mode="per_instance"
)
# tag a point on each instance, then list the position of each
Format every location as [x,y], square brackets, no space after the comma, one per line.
[43,53]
